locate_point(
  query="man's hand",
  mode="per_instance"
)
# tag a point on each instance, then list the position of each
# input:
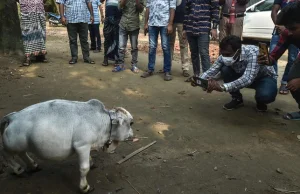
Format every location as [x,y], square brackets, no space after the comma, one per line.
[184,35]
[213,85]
[214,34]
[63,20]
[146,29]
[92,19]
[102,19]
[294,84]
[280,29]
[170,29]
[263,60]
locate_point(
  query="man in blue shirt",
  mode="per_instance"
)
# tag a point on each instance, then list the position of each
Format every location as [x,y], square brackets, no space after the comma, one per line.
[75,14]
[94,28]
[159,18]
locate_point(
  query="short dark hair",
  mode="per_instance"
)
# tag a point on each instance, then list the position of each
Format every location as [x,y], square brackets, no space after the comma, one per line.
[289,15]
[233,41]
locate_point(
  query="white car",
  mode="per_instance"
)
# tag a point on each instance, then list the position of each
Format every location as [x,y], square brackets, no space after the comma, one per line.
[258,24]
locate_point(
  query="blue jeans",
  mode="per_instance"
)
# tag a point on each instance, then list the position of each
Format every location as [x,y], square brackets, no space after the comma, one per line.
[265,87]
[292,55]
[123,39]
[199,45]
[153,37]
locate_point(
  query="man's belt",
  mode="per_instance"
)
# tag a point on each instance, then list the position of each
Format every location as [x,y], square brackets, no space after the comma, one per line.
[238,15]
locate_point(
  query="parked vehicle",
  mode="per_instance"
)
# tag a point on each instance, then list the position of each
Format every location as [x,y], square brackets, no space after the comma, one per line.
[54,19]
[258,24]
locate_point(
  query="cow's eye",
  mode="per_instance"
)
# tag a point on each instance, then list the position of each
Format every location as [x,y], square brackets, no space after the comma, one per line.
[131,123]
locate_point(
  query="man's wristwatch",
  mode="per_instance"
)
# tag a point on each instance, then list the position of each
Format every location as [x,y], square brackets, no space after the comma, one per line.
[223,88]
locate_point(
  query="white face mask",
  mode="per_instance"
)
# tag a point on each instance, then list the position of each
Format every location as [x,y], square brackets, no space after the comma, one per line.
[229,61]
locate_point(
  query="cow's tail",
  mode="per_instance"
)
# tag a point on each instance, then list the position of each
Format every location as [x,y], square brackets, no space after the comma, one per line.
[5,122]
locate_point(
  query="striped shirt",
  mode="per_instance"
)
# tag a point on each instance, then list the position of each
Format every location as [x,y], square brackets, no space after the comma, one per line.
[112,9]
[30,6]
[76,11]
[247,65]
[96,4]
[199,14]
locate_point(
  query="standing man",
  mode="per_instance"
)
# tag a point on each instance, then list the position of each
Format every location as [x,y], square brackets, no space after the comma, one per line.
[289,17]
[232,17]
[178,26]
[75,14]
[199,18]
[129,27]
[292,49]
[159,18]
[111,31]
[94,28]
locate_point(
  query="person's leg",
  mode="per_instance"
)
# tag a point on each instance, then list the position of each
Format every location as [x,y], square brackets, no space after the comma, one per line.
[83,36]
[153,36]
[97,36]
[92,36]
[172,40]
[183,51]
[223,28]
[273,43]
[292,56]
[72,33]
[134,50]
[266,91]
[193,42]
[116,37]
[123,38]
[237,27]
[203,44]
[230,75]
[165,43]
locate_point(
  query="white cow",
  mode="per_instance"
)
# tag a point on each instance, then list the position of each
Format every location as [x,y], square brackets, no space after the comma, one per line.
[57,129]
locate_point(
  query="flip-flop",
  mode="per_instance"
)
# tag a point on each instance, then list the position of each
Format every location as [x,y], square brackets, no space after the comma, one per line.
[283,89]
[118,68]
[294,116]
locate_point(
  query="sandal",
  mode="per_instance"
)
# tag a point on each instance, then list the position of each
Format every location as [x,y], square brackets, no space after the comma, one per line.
[185,73]
[118,68]
[134,69]
[294,116]
[27,61]
[283,89]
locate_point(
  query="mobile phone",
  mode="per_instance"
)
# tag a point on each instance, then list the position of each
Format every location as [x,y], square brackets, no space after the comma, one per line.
[263,50]
[200,82]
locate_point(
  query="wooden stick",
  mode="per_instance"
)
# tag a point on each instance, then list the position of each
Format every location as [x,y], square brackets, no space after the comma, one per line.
[135,153]
[132,186]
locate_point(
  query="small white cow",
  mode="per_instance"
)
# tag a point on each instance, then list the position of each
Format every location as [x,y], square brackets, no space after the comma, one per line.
[57,129]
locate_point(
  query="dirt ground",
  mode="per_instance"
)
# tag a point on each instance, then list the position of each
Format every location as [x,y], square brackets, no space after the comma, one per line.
[236,152]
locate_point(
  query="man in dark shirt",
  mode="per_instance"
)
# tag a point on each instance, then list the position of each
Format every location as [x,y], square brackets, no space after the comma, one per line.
[289,17]
[178,26]
[293,50]
[201,19]
[236,28]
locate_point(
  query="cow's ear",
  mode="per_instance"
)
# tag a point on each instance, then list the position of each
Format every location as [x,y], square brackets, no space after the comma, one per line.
[115,121]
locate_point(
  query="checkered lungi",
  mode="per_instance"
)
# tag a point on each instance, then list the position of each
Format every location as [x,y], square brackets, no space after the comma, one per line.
[33,26]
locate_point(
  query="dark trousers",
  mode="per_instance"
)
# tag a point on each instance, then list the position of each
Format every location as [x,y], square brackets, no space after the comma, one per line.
[82,30]
[95,36]
[294,74]
[265,87]
[199,45]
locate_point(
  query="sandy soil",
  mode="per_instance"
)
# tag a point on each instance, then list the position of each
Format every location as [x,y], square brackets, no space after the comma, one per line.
[236,152]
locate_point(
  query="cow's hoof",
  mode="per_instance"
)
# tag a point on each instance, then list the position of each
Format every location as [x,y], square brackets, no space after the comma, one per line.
[88,189]
[22,175]
[36,169]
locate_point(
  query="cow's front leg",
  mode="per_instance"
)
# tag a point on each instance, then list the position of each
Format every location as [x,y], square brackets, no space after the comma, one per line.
[84,164]
[32,166]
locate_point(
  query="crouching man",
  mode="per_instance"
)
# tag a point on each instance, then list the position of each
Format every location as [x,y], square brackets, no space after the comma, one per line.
[239,69]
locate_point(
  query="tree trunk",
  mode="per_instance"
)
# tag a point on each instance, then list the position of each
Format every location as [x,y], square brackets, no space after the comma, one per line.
[10,31]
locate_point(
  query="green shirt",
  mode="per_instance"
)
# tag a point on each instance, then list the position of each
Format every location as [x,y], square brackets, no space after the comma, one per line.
[130,20]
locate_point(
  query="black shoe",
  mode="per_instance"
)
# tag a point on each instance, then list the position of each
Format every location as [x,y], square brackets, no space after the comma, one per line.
[168,76]
[234,103]
[261,107]
[89,60]
[73,61]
